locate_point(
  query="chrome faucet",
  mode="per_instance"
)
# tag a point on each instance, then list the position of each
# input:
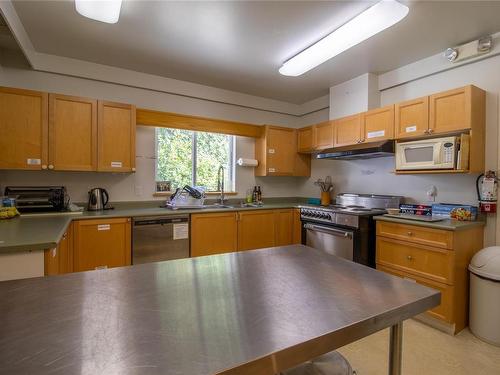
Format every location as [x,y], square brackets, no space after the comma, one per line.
[220,185]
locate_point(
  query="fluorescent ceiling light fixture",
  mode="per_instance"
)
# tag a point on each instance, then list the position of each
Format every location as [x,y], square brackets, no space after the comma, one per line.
[375,19]
[100,10]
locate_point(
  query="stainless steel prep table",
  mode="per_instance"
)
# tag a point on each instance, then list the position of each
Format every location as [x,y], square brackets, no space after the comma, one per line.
[253,312]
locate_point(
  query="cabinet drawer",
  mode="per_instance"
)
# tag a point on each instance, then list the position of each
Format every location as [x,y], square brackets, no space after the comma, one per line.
[412,233]
[445,309]
[432,263]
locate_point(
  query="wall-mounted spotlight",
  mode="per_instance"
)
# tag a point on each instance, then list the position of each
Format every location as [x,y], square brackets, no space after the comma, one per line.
[469,50]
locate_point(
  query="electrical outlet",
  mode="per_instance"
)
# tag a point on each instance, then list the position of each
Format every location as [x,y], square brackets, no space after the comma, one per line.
[432,193]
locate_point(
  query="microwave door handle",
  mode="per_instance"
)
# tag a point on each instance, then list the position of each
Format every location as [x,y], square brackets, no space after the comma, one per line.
[436,153]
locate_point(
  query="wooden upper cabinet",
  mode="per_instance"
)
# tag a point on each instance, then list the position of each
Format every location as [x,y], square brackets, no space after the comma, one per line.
[276,151]
[347,130]
[116,137]
[214,233]
[256,229]
[412,118]
[23,129]
[72,133]
[281,150]
[101,243]
[378,124]
[323,135]
[305,139]
[457,109]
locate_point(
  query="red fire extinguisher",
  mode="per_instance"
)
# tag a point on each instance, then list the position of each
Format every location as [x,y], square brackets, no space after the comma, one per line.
[487,185]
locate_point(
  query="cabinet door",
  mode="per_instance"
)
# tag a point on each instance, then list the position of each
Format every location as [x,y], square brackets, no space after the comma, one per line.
[378,124]
[256,229]
[450,110]
[323,135]
[116,137]
[347,130]
[102,243]
[59,260]
[297,227]
[284,227]
[213,233]
[72,133]
[305,139]
[412,118]
[281,151]
[23,129]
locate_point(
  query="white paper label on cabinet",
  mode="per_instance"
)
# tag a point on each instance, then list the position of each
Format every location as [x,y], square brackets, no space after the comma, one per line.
[103,227]
[378,133]
[181,231]
[271,151]
[33,161]
[272,170]
[411,129]
[116,164]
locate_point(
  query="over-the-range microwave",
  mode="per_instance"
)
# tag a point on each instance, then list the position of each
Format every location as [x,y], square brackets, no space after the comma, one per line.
[435,153]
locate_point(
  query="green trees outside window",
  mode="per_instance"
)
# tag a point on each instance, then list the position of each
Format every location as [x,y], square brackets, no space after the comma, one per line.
[193,158]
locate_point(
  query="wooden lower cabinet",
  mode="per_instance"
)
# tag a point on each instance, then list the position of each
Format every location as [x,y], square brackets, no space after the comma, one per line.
[101,243]
[214,233]
[256,229]
[59,260]
[445,309]
[445,269]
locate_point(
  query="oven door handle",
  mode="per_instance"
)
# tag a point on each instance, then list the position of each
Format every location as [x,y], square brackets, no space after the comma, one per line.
[335,232]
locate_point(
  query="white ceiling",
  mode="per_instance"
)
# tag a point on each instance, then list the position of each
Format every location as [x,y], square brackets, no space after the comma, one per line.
[239,46]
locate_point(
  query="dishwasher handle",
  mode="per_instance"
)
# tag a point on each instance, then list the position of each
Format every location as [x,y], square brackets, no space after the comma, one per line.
[333,231]
[160,220]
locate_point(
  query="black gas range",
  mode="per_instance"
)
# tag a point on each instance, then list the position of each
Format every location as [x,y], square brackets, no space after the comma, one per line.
[347,228]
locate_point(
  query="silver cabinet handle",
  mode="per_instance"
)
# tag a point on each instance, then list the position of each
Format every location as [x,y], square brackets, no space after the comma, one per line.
[51,166]
[44,166]
[335,232]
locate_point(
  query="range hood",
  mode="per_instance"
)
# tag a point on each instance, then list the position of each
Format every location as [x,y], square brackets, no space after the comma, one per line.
[359,151]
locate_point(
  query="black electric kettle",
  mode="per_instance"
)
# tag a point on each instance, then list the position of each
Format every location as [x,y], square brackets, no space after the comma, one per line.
[98,200]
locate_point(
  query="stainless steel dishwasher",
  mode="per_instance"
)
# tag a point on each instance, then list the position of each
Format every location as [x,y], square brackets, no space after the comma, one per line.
[155,239]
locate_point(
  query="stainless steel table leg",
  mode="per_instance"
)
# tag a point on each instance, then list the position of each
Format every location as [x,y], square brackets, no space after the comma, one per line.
[396,349]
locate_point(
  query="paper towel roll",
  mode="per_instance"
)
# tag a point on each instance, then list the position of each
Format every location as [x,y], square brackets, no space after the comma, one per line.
[247,162]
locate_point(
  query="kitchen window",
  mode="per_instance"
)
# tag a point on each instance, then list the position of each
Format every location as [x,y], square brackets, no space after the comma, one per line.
[185,157]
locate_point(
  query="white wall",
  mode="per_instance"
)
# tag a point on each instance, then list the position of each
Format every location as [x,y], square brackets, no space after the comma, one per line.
[356,95]
[140,185]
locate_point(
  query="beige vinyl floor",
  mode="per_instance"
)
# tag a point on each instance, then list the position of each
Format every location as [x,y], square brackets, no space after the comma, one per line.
[426,351]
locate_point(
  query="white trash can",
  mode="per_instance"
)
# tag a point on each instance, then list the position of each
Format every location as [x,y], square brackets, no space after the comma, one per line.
[484,305]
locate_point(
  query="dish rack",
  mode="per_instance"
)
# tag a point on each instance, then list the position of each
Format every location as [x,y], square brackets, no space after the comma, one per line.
[185,198]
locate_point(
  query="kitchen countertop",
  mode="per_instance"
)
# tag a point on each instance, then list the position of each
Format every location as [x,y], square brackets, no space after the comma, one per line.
[446,224]
[44,231]
[257,311]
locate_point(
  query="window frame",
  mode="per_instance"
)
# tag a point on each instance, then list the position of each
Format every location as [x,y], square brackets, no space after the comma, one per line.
[230,172]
